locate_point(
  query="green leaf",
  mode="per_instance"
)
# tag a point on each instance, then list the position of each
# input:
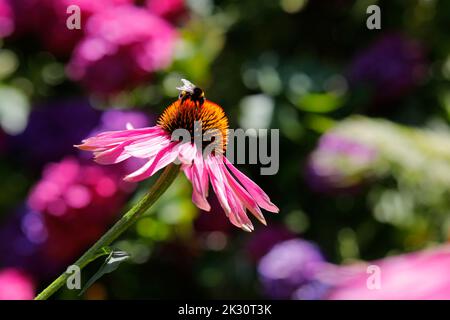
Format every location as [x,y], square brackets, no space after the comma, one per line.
[320,102]
[102,252]
[112,262]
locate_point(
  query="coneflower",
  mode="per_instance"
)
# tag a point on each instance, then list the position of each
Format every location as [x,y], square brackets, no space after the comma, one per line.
[235,191]
[160,148]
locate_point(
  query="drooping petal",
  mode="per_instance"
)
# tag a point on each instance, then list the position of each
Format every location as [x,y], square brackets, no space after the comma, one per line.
[215,176]
[234,197]
[261,198]
[193,168]
[244,196]
[237,211]
[198,197]
[227,198]
[202,173]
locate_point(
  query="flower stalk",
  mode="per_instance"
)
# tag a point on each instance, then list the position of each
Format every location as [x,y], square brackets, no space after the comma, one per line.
[129,218]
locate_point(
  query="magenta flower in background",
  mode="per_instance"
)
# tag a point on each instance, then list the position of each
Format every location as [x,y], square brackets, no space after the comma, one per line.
[58,38]
[289,271]
[6,19]
[392,67]
[171,10]
[78,201]
[416,276]
[26,23]
[15,285]
[51,16]
[325,170]
[112,58]
[235,191]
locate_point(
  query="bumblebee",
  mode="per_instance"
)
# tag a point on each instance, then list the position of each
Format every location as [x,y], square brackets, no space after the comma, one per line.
[190,92]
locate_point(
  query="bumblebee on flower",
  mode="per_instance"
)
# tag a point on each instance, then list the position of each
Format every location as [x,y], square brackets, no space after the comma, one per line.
[201,163]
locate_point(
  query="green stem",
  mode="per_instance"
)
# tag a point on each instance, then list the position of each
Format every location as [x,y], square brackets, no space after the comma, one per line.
[161,185]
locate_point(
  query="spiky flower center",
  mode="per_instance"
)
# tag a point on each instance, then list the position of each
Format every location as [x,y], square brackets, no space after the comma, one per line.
[188,113]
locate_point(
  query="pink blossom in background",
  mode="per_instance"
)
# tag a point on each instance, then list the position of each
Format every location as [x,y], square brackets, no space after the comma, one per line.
[78,201]
[46,19]
[6,19]
[325,171]
[112,57]
[417,276]
[15,285]
[171,10]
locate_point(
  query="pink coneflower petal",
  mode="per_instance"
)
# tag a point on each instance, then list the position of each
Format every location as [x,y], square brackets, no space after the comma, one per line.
[163,158]
[108,139]
[197,176]
[198,196]
[227,198]
[245,197]
[261,198]
[147,148]
[187,153]
[114,155]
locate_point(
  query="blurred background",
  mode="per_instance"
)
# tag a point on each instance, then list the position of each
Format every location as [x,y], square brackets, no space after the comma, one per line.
[364,144]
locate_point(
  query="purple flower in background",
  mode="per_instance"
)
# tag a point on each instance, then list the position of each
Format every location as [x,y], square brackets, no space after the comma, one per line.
[264,239]
[112,58]
[53,128]
[15,285]
[171,10]
[6,19]
[314,290]
[338,163]
[392,66]
[78,201]
[290,266]
[117,119]
[416,276]
[22,237]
